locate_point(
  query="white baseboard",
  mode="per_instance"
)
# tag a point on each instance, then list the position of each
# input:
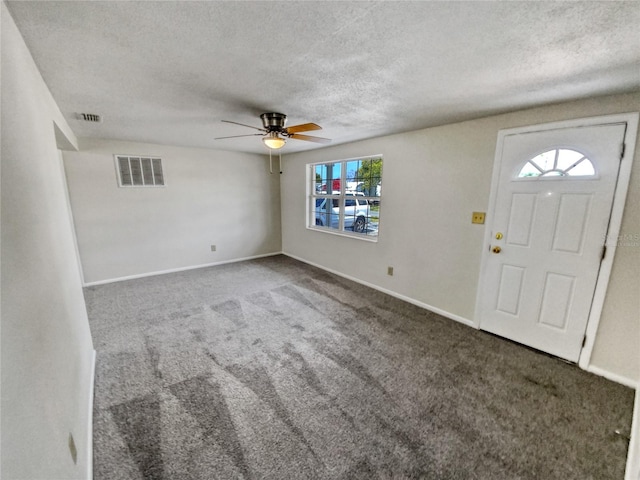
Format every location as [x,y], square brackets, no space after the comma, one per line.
[413,301]
[614,377]
[179,269]
[632,472]
[89,441]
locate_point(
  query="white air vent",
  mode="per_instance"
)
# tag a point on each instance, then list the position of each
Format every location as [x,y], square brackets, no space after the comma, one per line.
[139,171]
[89,117]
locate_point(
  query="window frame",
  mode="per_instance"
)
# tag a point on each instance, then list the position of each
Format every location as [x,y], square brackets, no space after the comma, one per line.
[151,158]
[312,196]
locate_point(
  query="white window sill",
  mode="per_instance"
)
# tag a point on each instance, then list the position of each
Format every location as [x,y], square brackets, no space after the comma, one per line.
[333,231]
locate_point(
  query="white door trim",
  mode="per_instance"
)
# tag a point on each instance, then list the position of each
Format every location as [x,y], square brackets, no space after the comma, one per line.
[614,230]
[619,198]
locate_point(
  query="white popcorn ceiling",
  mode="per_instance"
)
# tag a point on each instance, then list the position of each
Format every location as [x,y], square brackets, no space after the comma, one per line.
[168,72]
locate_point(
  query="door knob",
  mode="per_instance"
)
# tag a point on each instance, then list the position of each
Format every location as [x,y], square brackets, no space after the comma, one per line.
[496,249]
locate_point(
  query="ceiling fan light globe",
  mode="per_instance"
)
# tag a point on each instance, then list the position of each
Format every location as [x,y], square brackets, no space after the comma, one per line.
[274,142]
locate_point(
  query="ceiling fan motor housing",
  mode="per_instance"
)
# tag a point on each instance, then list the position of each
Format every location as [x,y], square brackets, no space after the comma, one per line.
[274,122]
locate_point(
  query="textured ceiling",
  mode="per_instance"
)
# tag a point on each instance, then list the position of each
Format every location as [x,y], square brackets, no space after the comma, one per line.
[169,72]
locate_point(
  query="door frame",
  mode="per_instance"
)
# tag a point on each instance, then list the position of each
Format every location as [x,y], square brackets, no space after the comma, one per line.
[615,221]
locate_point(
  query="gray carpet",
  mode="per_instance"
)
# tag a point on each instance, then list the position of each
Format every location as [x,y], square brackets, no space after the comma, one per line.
[272,369]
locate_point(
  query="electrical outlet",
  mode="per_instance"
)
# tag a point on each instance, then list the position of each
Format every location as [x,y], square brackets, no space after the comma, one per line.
[477,217]
[213,248]
[390,271]
[72,449]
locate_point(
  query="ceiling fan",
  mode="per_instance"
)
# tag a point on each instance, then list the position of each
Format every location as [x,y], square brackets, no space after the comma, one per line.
[275,134]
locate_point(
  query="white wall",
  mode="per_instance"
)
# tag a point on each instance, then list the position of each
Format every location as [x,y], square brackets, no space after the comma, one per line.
[432,180]
[228,199]
[46,344]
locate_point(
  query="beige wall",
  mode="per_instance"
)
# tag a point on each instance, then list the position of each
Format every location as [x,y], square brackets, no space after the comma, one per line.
[227,199]
[433,180]
[46,344]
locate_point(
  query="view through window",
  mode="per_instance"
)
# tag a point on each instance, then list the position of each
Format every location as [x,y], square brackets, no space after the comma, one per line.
[560,162]
[345,196]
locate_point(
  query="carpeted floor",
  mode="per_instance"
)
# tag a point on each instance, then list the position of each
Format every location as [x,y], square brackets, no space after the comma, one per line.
[272,369]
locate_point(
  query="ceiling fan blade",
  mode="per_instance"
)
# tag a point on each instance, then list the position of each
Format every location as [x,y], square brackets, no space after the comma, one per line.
[242,124]
[309,138]
[236,136]
[305,127]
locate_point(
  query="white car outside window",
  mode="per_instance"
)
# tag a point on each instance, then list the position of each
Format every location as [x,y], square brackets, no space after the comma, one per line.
[356,211]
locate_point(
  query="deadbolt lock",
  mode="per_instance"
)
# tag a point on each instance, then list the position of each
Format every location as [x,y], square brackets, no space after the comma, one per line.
[499,236]
[496,249]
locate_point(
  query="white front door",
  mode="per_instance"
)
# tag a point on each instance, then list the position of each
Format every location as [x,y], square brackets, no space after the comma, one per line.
[548,227]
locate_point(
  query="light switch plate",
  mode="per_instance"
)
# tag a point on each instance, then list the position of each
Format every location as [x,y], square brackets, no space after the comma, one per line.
[477,217]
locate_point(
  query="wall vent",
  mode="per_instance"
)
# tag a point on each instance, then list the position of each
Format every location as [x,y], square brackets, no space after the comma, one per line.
[139,171]
[89,117]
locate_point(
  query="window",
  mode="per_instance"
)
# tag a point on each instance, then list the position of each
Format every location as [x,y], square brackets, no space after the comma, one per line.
[139,171]
[560,162]
[344,196]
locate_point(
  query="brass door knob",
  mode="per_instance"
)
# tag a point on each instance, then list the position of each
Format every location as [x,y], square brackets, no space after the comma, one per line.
[499,236]
[496,250]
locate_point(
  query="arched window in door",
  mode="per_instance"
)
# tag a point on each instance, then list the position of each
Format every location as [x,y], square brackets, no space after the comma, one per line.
[559,162]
